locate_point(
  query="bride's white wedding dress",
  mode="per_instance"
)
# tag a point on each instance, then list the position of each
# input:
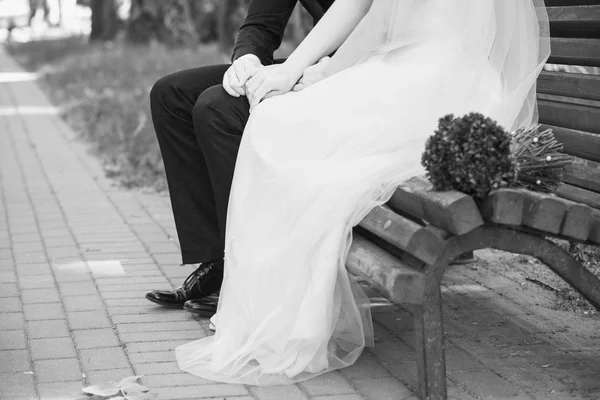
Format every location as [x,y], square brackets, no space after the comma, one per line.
[313,163]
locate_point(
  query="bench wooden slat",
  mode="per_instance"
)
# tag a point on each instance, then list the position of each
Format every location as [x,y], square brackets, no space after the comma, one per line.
[594,236]
[577,221]
[584,86]
[504,206]
[562,3]
[584,174]
[397,281]
[405,234]
[577,51]
[543,212]
[578,195]
[577,143]
[452,211]
[569,115]
[575,21]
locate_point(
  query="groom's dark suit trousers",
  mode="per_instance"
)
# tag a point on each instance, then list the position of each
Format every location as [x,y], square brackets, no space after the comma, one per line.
[199,128]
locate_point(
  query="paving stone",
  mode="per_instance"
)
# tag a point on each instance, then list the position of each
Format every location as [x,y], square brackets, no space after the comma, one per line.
[138,301]
[173,380]
[485,383]
[382,389]
[157,368]
[104,358]
[37,282]
[459,360]
[35,296]
[396,322]
[9,304]
[115,308]
[12,340]
[25,237]
[73,276]
[42,269]
[155,356]
[159,336]
[366,366]
[11,321]
[77,288]
[15,385]
[88,319]
[14,361]
[8,276]
[405,373]
[36,312]
[137,287]
[157,326]
[83,303]
[9,290]
[30,258]
[60,370]
[62,252]
[43,349]
[60,390]
[108,375]
[47,329]
[329,383]
[343,397]
[219,391]
[95,338]
[172,317]
[393,352]
[278,392]
[149,347]
[129,281]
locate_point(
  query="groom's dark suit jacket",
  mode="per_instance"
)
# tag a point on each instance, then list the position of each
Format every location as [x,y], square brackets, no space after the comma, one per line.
[262,30]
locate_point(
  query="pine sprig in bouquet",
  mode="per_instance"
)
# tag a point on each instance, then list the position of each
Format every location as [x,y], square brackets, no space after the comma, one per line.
[540,165]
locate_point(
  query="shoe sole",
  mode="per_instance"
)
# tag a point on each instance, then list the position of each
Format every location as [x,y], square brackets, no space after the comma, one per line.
[199,313]
[164,304]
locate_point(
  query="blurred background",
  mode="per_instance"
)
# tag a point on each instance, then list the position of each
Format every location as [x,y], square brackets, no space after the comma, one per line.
[98,59]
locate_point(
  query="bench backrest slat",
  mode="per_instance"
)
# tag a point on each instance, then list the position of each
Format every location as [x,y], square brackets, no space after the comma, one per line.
[569,99]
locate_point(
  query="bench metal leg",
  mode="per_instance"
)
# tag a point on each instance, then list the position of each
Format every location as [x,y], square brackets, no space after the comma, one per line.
[429,346]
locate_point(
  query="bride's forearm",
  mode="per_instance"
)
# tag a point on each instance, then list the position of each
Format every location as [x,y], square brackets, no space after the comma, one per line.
[331,31]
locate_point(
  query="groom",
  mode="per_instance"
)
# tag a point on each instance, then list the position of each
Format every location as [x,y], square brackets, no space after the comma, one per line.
[199,117]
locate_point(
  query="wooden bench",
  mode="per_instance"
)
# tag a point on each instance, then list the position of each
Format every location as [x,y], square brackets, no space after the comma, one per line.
[404,247]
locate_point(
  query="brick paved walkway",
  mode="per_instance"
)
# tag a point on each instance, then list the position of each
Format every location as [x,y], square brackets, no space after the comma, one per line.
[77,255]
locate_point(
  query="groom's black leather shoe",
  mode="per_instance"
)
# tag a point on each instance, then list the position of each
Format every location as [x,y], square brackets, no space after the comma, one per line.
[206,307]
[203,282]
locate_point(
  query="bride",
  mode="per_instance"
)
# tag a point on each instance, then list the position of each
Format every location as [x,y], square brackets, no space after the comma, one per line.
[288,309]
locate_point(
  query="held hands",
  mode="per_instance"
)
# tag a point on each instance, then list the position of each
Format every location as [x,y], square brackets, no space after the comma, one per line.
[270,81]
[312,74]
[238,74]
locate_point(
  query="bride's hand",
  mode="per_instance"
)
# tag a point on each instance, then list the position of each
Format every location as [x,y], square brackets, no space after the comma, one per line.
[269,81]
[312,74]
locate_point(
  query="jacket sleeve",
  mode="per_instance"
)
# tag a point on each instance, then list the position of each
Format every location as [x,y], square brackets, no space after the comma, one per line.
[262,31]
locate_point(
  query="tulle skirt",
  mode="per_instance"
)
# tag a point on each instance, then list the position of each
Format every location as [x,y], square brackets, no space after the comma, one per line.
[311,165]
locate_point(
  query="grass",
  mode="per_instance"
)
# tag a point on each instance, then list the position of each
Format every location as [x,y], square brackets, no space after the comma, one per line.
[103,94]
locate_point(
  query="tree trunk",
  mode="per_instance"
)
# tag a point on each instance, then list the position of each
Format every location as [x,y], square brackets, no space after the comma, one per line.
[167,21]
[104,20]
[227,10]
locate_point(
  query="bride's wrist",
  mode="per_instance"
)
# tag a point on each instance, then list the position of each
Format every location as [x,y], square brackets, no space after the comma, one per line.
[296,69]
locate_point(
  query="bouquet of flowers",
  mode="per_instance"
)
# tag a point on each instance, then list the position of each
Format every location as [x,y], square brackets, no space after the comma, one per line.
[474,155]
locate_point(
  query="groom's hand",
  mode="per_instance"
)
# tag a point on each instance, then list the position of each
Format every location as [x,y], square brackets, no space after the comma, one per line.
[238,74]
[312,74]
[269,81]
